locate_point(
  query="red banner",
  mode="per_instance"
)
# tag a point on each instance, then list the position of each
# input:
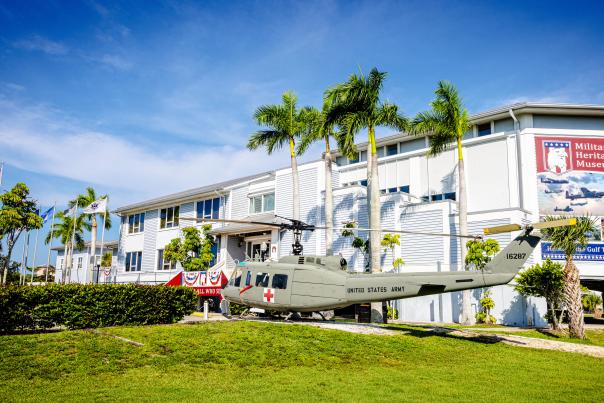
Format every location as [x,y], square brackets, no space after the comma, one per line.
[562,154]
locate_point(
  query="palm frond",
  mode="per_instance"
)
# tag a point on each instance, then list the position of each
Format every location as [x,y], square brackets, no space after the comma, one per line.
[270,139]
[387,115]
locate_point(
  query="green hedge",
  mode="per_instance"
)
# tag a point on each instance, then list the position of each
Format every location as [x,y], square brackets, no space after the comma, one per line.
[78,306]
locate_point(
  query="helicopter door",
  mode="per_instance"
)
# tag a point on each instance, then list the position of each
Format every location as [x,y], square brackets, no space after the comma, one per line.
[280,289]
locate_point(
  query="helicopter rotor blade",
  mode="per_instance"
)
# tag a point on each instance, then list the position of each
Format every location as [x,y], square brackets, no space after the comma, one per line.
[227,221]
[397,231]
[554,223]
[500,229]
[538,225]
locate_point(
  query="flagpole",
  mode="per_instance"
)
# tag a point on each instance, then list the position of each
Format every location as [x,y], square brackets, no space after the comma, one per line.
[75,211]
[26,258]
[52,227]
[21,271]
[35,255]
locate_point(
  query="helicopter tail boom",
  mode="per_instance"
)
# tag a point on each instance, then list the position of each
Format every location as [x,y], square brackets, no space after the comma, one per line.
[387,286]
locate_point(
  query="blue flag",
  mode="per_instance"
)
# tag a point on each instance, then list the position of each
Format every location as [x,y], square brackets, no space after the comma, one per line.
[47,215]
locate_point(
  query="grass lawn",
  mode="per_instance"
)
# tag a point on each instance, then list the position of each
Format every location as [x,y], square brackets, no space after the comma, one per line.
[247,361]
[594,337]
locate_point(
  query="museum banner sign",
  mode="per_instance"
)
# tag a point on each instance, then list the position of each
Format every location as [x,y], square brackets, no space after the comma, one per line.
[570,175]
[593,252]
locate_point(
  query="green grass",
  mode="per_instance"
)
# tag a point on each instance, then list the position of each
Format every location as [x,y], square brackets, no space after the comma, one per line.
[594,337]
[247,361]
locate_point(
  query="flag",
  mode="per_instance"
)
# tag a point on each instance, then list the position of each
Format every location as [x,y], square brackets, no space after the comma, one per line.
[97,206]
[46,215]
[70,211]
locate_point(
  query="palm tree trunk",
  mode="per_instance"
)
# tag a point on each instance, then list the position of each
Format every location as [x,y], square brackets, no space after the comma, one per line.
[92,256]
[328,201]
[296,180]
[572,296]
[373,206]
[466,303]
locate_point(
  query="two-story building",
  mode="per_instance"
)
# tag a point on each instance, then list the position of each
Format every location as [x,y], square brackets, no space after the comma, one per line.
[523,162]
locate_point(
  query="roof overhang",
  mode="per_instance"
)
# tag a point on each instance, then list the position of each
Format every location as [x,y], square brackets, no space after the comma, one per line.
[239,229]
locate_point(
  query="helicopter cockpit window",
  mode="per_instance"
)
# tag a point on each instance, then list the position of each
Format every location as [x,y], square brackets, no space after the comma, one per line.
[280,281]
[248,278]
[262,279]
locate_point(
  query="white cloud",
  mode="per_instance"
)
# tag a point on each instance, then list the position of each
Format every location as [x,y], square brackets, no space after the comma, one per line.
[39,43]
[115,61]
[39,139]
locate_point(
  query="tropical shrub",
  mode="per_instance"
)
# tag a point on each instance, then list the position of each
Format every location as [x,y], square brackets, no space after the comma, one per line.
[591,301]
[487,303]
[78,306]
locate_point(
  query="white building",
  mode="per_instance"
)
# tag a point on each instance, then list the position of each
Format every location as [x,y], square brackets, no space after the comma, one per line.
[83,270]
[523,161]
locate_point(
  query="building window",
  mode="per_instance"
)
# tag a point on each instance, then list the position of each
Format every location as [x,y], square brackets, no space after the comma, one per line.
[280,281]
[449,196]
[136,223]
[392,149]
[484,129]
[404,189]
[163,264]
[392,190]
[133,261]
[364,155]
[169,217]
[380,152]
[341,161]
[262,203]
[354,160]
[364,182]
[61,264]
[80,262]
[208,208]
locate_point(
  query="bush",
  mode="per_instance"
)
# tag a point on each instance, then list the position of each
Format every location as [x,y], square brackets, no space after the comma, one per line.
[78,306]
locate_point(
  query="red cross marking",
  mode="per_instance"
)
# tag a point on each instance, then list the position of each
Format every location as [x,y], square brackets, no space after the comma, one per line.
[268,295]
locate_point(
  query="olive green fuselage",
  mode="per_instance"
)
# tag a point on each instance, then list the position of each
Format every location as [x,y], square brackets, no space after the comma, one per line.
[316,283]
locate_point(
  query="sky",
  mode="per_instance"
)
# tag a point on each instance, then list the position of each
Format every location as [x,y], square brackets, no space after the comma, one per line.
[140,99]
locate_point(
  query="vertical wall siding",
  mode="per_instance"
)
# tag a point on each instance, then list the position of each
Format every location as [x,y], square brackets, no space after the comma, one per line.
[421,249]
[310,212]
[150,237]
[234,252]
[121,256]
[239,202]
[387,213]
[283,207]
[476,227]
[344,211]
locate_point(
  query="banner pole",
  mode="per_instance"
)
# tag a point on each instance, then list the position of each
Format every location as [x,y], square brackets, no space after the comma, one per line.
[35,255]
[103,236]
[75,211]
[52,227]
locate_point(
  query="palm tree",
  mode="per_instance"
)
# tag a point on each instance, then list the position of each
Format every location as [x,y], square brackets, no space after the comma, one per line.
[356,105]
[84,200]
[446,124]
[64,231]
[568,239]
[321,131]
[284,124]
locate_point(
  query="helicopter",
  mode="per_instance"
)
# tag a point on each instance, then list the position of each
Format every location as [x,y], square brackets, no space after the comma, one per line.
[298,283]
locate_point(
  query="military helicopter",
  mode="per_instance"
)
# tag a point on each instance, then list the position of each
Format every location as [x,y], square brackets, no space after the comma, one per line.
[300,283]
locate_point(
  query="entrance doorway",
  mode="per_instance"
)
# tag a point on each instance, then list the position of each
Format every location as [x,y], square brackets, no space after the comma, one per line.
[258,249]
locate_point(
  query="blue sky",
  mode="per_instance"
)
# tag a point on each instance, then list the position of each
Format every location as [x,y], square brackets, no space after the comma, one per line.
[140,99]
